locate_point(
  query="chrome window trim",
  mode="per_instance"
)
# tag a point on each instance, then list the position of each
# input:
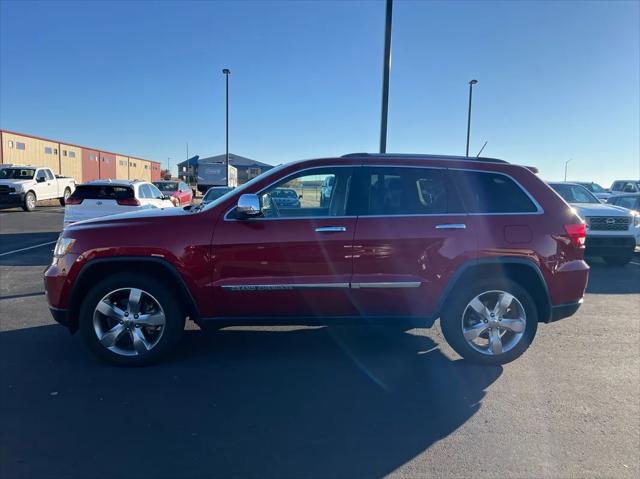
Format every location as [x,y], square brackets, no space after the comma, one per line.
[539,209]
[226,216]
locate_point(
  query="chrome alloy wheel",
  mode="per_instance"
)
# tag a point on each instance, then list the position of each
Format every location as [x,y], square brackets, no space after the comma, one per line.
[129,321]
[494,322]
[31,201]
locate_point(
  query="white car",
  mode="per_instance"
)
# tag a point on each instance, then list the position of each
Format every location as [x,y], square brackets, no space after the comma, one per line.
[611,230]
[24,186]
[109,197]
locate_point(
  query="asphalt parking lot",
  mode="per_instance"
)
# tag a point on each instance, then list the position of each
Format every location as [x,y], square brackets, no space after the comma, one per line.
[314,402]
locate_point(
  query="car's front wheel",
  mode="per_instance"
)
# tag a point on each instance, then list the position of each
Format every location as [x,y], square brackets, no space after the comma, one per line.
[131,319]
[29,203]
[65,197]
[490,322]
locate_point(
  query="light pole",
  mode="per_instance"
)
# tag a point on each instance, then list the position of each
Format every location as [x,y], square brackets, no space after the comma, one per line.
[385,78]
[168,166]
[566,163]
[226,73]
[471,83]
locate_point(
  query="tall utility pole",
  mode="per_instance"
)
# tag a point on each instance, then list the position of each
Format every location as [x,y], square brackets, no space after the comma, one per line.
[566,163]
[471,83]
[226,73]
[169,166]
[385,78]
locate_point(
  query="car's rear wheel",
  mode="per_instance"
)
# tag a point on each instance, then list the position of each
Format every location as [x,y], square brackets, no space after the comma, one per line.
[131,319]
[618,260]
[29,203]
[491,322]
[65,197]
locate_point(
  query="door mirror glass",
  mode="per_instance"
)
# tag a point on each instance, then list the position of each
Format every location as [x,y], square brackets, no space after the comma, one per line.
[248,206]
[40,179]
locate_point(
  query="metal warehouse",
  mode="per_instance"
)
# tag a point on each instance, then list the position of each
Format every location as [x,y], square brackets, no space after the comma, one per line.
[82,163]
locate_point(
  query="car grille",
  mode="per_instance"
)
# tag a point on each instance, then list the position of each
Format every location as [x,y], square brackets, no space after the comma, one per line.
[609,223]
[4,190]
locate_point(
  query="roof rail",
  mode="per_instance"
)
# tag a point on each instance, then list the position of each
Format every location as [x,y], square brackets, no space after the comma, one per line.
[423,156]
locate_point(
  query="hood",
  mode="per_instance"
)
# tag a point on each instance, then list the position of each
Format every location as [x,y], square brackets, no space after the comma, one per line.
[121,219]
[599,209]
[10,182]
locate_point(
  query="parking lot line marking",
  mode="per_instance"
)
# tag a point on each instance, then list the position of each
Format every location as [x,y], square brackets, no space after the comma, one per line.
[25,249]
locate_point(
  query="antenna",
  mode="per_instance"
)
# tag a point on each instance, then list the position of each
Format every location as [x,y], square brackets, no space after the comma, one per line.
[485,144]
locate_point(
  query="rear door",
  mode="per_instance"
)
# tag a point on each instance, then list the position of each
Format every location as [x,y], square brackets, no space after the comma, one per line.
[293,260]
[412,234]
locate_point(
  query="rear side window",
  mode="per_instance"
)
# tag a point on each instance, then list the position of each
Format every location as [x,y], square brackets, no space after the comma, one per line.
[102,192]
[485,192]
[410,191]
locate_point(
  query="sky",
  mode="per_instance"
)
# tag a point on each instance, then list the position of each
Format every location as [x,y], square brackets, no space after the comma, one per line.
[556,80]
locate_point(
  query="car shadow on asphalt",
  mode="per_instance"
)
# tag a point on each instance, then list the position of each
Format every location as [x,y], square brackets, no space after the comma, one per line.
[323,402]
[605,279]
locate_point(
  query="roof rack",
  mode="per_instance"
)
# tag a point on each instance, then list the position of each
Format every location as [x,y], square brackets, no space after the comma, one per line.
[422,156]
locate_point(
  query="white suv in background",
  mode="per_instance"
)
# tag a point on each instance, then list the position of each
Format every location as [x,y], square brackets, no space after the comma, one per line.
[109,197]
[611,230]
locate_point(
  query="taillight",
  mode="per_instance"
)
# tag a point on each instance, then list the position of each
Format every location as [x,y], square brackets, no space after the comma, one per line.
[128,202]
[577,233]
[73,201]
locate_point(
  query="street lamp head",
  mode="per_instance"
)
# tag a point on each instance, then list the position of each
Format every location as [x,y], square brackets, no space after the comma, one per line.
[226,71]
[473,82]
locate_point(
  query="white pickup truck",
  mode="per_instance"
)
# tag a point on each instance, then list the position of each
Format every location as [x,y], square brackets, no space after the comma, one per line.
[24,186]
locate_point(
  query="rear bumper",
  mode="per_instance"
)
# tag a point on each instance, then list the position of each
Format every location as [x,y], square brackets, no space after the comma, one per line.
[609,245]
[562,311]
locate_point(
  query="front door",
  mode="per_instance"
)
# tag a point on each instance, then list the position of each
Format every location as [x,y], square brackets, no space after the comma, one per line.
[412,235]
[294,260]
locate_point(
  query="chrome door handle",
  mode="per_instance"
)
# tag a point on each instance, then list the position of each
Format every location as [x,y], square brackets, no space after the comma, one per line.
[451,226]
[331,229]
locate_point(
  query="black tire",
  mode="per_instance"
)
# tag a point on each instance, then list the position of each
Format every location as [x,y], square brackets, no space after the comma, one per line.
[618,260]
[174,317]
[29,203]
[451,320]
[63,200]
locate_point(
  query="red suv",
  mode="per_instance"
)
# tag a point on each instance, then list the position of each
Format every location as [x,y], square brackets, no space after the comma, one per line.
[483,245]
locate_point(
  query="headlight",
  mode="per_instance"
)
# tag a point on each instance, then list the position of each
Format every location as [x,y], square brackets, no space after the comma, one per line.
[636,220]
[63,246]
[17,188]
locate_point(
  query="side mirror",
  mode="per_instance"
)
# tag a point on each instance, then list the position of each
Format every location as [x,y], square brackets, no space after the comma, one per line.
[248,206]
[39,179]
[299,197]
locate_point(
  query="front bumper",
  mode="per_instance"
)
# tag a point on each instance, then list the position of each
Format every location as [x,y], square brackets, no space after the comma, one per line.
[609,245]
[60,316]
[11,200]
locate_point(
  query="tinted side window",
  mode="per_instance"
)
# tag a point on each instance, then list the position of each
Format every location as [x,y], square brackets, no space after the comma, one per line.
[491,193]
[48,174]
[155,192]
[407,191]
[41,175]
[627,202]
[144,191]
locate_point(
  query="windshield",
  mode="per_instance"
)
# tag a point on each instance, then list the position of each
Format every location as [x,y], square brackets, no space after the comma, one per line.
[242,188]
[215,193]
[167,186]
[596,188]
[17,173]
[574,193]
